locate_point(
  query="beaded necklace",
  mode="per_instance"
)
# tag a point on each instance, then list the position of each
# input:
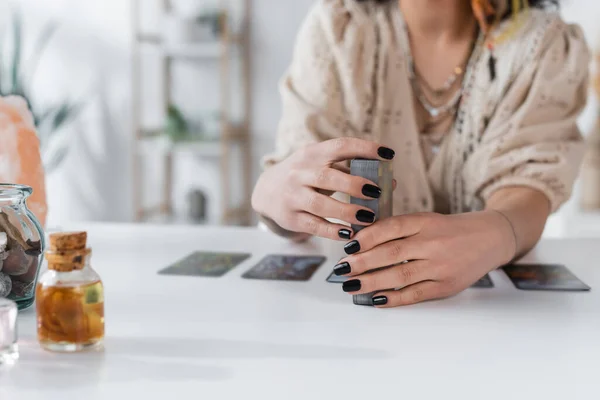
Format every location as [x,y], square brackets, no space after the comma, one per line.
[451,106]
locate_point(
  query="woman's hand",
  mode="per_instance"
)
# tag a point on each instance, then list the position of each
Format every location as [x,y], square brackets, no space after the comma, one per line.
[295,194]
[446,254]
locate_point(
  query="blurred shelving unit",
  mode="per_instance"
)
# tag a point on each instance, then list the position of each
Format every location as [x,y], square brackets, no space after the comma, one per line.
[232,133]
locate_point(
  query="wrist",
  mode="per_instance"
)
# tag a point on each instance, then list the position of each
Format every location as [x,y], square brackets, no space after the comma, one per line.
[278,230]
[503,228]
[257,199]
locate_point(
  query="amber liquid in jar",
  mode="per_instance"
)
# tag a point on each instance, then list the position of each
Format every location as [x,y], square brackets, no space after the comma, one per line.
[70,317]
[70,297]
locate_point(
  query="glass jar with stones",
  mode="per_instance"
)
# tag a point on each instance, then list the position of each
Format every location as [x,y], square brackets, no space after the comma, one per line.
[21,245]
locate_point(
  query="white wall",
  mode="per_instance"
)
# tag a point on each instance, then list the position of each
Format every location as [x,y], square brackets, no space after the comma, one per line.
[586,14]
[88,58]
[274,28]
[91,55]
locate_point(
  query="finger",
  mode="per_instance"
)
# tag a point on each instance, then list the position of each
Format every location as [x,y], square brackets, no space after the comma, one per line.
[394,184]
[326,207]
[347,148]
[342,167]
[333,180]
[388,229]
[396,277]
[422,291]
[387,254]
[317,226]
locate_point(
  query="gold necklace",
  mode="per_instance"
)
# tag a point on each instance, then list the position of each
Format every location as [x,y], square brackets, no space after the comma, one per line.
[451,106]
[439,92]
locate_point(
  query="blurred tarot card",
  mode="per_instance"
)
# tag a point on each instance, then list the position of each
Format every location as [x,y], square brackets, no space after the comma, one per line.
[285,268]
[485,282]
[544,277]
[333,278]
[205,264]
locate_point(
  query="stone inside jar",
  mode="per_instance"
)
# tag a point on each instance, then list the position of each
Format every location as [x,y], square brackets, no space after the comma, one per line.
[18,261]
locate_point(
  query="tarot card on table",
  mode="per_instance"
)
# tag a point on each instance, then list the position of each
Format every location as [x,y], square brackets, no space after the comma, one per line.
[205,264]
[285,268]
[544,277]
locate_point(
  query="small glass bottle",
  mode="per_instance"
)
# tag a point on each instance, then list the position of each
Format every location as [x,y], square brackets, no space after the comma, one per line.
[70,297]
[8,332]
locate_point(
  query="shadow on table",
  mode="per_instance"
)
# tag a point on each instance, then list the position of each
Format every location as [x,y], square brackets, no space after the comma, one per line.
[225,349]
[156,360]
[37,370]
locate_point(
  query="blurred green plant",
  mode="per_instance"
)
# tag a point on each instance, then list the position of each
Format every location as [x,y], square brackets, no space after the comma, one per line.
[176,127]
[214,18]
[16,75]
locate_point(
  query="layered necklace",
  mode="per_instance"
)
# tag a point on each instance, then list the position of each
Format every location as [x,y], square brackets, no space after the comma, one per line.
[484,12]
[437,111]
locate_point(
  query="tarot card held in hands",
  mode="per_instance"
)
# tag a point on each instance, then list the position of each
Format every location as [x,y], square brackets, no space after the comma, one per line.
[285,268]
[205,264]
[333,278]
[381,173]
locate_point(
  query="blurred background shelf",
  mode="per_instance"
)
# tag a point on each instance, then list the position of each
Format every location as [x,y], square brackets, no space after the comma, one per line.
[231,147]
[206,50]
[155,141]
[158,215]
[163,145]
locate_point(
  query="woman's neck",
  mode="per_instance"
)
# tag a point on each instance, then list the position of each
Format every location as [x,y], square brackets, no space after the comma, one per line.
[439,20]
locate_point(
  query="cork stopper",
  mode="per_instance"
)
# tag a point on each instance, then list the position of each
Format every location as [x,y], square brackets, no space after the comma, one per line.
[67,251]
[65,241]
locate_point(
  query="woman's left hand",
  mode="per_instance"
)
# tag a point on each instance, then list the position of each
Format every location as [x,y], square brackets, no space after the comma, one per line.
[446,254]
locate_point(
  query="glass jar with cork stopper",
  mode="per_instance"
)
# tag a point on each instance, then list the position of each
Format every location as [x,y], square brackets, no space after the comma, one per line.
[70,297]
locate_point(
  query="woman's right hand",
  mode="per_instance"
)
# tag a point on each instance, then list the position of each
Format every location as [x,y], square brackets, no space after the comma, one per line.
[295,193]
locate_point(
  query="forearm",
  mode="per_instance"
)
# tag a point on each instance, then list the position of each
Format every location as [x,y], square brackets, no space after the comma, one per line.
[527,211]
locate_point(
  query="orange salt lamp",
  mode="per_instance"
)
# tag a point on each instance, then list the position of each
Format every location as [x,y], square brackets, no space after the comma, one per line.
[20,160]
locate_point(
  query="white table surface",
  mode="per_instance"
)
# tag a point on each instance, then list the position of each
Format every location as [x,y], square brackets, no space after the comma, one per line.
[233,338]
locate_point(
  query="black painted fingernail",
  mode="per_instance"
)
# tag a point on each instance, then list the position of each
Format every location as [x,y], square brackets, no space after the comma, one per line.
[380,301]
[371,191]
[351,286]
[345,233]
[342,269]
[352,247]
[365,216]
[386,153]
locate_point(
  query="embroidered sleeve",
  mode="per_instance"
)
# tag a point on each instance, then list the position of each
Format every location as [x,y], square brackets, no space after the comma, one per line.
[533,139]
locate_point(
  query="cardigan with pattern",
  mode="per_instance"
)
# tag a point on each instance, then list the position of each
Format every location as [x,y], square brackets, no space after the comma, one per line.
[349,77]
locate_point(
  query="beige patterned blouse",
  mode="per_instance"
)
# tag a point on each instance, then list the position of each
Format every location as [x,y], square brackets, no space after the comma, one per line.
[349,77]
